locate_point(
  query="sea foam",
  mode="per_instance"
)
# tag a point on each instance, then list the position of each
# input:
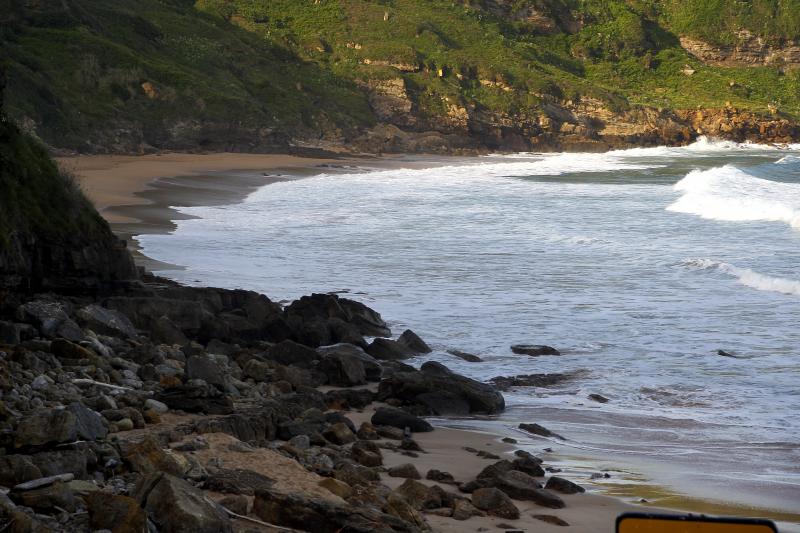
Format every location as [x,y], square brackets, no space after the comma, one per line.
[730,194]
[747,277]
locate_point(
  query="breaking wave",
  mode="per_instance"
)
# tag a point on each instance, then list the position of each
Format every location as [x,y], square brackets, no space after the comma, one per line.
[747,277]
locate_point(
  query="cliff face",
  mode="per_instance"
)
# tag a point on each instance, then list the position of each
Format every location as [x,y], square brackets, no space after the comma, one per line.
[50,235]
[97,76]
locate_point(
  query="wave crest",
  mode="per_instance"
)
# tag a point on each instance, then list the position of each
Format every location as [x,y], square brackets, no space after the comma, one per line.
[747,277]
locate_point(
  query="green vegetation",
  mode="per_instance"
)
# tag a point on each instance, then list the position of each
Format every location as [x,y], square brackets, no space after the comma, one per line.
[182,74]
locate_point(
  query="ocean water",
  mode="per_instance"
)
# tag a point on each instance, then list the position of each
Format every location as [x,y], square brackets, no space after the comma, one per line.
[638,265]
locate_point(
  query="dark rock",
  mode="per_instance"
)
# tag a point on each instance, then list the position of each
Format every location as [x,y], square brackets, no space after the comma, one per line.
[520,486]
[372,368]
[51,318]
[509,440]
[106,321]
[236,481]
[410,444]
[564,486]
[45,427]
[46,497]
[530,466]
[389,432]
[399,507]
[76,461]
[495,502]
[389,350]
[366,453]
[146,455]
[356,474]
[89,424]
[534,349]
[411,340]
[388,416]
[343,370]
[348,398]
[343,332]
[495,470]
[64,349]
[295,510]
[598,398]
[419,495]
[165,331]
[213,369]
[339,434]
[550,519]
[542,431]
[258,370]
[194,398]
[439,476]
[292,354]
[367,432]
[463,510]
[406,470]
[115,512]
[236,503]
[529,380]
[468,357]
[446,392]
[16,469]
[175,506]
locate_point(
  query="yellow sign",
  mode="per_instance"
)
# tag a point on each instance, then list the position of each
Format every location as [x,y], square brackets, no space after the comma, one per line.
[656,523]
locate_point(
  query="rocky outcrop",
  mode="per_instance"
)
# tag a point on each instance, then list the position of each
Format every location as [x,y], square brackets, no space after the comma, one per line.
[749,51]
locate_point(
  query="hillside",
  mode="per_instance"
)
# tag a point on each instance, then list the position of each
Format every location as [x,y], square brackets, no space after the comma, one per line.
[417,75]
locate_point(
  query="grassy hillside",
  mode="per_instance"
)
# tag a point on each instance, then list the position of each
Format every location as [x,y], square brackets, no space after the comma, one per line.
[115,75]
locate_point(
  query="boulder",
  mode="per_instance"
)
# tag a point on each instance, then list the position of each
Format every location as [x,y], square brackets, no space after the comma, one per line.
[389,350]
[343,370]
[366,453]
[339,433]
[542,431]
[213,369]
[398,506]
[529,380]
[310,316]
[299,511]
[16,469]
[439,476]
[495,502]
[292,354]
[196,398]
[405,470]
[463,510]
[419,495]
[52,319]
[175,506]
[389,416]
[146,456]
[441,391]
[372,368]
[468,357]
[89,424]
[413,342]
[115,512]
[530,465]
[48,497]
[46,427]
[366,432]
[520,486]
[564,486]
[348,398]
[64,349]
[106,321]
[334,486]
[236,481]
[534,349]
[258,370]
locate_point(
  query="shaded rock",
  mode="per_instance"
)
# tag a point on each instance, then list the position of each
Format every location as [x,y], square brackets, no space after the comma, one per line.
[389,432]
[51,318]
[413,342]
[445,392]
[534,349]
[367,432]
[236,481]
[463,510]
[196,398]
[419,495]
[398,506]
[296,510]
[210,368]
[16,469]
[372,368]
[439,476]
[175,506]
[348,398]
[598,398]
[71,461]
[106,321]
[550,519]
[147,455]
[564,486]
[542,431]
[334,486]
[389,416]
[64,349]
[468,357]
[355,475]
[46,426]
[495,502]
[520,486]
[529,465]
[44,498]
[89,424]
[339,433]
[343,370]
[366,453]
[115,512]
[529,380]
[292,354]
[389,350]
[406,470]
[235,503]
[495,470]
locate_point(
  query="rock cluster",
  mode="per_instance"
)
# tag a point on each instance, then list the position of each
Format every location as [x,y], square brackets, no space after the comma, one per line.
[155,407]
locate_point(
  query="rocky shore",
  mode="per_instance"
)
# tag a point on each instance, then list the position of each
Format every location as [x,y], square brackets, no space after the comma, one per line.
[153,406]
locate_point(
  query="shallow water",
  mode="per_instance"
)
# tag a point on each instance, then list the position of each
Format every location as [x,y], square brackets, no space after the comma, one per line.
[638,265]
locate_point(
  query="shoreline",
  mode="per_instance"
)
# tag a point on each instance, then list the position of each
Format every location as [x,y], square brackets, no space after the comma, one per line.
[146,204]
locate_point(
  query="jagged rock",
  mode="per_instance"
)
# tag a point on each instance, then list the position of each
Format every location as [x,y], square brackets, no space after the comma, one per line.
[439,476]
[529,465]
[542,431]
[89,424]
[495,502]
[468,357]
[389,350]
[295,510]
[441,391]
[236,481]
[292,354]
[118,513]
[348,398]
[339,433]
[534,349]
[520,486]
[147,456]
[372,368]
[389,416]
[52,319]
[44,497]
[419,495]
[175,506]
[343,370]
[366,453]
[413,342]
[194,398]
[564,486]
[406,470]
[46,426]
[106,321]
[213,369]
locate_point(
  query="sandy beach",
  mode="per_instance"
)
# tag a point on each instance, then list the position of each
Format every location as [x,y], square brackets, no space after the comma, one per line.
[137,195]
